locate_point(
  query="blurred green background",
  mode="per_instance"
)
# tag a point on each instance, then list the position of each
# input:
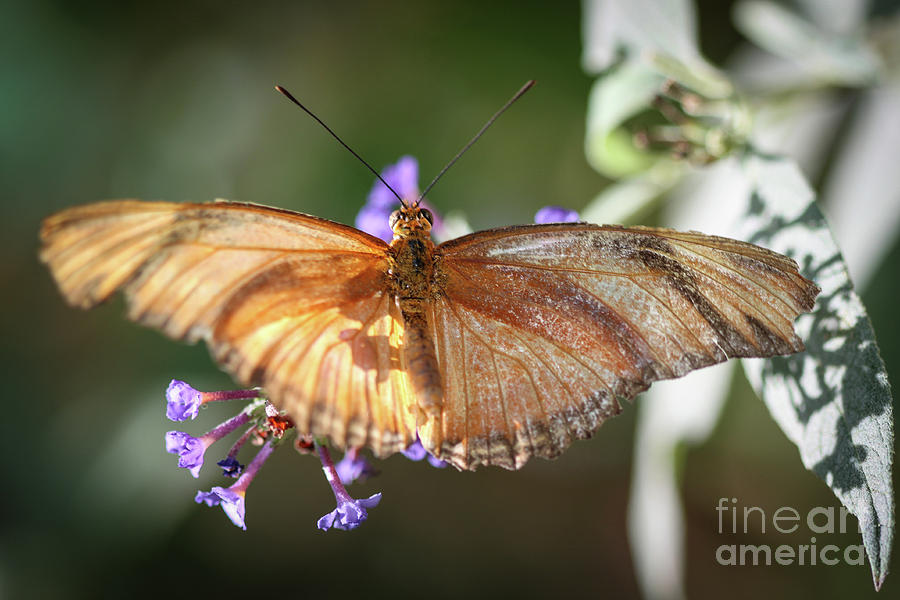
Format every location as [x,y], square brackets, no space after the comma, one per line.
[174,100]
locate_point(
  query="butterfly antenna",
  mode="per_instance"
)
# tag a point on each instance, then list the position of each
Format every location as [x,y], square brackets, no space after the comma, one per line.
[288,95]
[528,85]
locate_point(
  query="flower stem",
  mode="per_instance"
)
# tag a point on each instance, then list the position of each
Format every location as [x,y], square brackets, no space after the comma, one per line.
[229,395]
[227,427]
[250,472]
[331,474]
[241,441]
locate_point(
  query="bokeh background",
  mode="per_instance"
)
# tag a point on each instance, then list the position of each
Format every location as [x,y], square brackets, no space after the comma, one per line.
[174,100]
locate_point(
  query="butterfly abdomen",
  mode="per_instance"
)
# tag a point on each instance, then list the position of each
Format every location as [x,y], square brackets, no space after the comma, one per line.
[412,275]
[421,360]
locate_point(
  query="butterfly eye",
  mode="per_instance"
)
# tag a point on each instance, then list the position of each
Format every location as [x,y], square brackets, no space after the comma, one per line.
[428,216]
[392,220]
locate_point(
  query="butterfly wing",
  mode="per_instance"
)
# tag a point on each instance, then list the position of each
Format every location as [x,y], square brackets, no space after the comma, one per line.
[541,330]
[295,303]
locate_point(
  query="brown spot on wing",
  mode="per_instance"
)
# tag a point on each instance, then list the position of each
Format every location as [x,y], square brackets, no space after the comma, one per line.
[769,342]
[685,283]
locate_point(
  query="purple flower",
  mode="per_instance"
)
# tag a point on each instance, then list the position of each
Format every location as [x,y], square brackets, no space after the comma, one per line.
[189,450]
[555,214]
[232,502]
[182,401]
[374,221]
[230,466]
[403,177]
[436,462]
[416,451]
[354,467]
[350,513]
[231,499]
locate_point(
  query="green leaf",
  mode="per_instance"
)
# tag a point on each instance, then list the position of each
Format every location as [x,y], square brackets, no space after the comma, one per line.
[635,46]
[622,92]
[710,119]
[834,400]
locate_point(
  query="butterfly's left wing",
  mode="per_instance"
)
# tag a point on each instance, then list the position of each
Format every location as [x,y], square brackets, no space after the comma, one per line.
[541,330]
[290,301]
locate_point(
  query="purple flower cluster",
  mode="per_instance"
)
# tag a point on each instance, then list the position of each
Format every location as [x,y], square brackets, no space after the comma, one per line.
[183,402]
[265,422]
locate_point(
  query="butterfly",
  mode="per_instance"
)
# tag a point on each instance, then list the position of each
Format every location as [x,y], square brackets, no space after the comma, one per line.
[491,348]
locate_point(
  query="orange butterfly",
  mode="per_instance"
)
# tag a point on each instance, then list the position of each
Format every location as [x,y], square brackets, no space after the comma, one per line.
[492,348]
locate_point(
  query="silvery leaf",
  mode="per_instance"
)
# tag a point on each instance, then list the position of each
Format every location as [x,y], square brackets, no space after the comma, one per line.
[612,26]
[834,400]
[830,57]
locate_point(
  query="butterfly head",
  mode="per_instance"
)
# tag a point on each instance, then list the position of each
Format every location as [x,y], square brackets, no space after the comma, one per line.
[408,219]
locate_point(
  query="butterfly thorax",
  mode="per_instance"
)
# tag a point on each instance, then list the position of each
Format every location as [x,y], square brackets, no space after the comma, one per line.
[412,255]
[412,275]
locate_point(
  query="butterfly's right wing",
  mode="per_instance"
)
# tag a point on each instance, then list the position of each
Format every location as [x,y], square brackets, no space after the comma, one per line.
[295,303]
[540,330]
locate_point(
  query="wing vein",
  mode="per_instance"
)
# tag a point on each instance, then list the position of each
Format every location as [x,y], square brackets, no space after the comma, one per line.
[549,368]
[130,232]
[184,291]
[562,348]
[327,251]
[331,347]
[535,267]
[631,326]
[503,407]
[233,286]
[675,316]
